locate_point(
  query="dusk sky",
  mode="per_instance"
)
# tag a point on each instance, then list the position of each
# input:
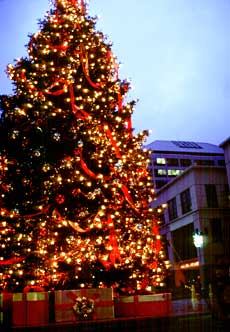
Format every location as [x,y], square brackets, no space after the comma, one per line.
[175,52]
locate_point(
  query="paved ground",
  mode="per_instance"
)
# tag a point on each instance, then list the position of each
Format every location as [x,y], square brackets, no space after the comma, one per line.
[184,323]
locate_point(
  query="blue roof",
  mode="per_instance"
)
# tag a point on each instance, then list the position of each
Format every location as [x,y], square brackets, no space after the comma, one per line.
[184,147]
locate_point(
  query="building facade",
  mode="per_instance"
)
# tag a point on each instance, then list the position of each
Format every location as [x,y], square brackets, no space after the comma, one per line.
[196,221]
[226,147]
[170,158]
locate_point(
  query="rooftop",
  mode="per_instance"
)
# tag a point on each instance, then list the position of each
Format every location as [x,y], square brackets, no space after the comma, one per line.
[184,147]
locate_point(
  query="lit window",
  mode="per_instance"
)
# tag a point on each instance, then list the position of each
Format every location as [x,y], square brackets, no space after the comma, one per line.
[174,172]
[161,172]
[161,161]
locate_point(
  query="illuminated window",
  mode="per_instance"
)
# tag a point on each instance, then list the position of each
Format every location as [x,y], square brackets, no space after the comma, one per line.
[160,161]
[174,172]
[160,172]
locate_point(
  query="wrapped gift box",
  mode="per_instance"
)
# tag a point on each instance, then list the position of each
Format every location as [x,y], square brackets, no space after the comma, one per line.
[30,309]
[143,305]
[19,309]
[101,297]
[5,309]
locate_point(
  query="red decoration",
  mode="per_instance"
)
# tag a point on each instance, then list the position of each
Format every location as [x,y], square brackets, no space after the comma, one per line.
[77,228]
[115,253]
[60,199]
[31,288]
[113,142]
[154,305]
[55,84]
[79,113]
[85,167]
[84,56]
[65,300]
[11,261]
[129,198]
[155,229]
[129,126]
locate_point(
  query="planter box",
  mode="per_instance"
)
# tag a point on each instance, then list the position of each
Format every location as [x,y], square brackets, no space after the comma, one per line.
[143,305]
[101,297]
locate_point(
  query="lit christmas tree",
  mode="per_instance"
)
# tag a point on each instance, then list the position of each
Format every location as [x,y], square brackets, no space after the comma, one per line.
[75,184]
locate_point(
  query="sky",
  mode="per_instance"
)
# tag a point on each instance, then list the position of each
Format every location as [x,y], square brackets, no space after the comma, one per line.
[175,52]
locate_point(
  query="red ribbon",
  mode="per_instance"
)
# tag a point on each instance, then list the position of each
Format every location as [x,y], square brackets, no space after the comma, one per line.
[83,55]
[113,142]
[155,229]
[85,167]
[115,253]
[81,114]
[73,297]
[129,198]
[11,261]
[129,126]
[31,288]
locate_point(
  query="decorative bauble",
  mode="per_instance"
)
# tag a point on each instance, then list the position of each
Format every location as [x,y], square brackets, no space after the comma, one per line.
[14,134]
[97,191]
[118,166]
[36,153]
[56,137]
[46,167]
[60,199]
[43,232]
[83,213]
[80,143]
[139,227]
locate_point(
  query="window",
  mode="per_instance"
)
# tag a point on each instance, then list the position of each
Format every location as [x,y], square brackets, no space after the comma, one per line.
[183,246]
[211,196]
[221,162]
[160,172]
[160,161]
[174,172]
[216,230]
[172,162]
[186,204]
[204,162]
[160,183]
[172,208]
[185,162]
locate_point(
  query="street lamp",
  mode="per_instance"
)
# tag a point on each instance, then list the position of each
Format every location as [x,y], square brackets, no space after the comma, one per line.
[198,239]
